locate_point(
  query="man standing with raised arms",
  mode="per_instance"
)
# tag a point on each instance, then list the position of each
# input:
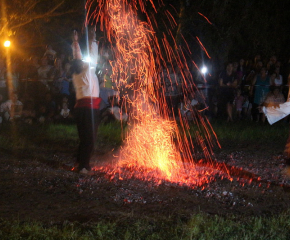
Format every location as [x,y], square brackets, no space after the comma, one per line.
[87,113]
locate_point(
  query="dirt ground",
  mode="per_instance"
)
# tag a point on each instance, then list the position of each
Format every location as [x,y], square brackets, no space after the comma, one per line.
[35,186]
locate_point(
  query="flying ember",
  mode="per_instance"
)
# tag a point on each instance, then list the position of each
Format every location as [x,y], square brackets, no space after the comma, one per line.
[156,145]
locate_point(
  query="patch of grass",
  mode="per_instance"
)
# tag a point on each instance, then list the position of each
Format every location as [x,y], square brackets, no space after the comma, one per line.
[110,136]
[251,131]
[200,226]
[25,137]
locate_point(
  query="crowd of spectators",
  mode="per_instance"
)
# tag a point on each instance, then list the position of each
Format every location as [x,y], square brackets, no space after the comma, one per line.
[241,90]
[42,90]
[36,89]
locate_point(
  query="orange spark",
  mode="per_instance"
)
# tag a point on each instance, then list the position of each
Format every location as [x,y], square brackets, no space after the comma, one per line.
[204,49]
[205,18]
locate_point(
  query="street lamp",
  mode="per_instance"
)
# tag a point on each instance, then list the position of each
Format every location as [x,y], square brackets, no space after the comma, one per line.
[7,44]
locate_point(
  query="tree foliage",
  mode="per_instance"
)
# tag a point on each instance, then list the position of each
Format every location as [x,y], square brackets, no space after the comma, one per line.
[35,23]
[232,29]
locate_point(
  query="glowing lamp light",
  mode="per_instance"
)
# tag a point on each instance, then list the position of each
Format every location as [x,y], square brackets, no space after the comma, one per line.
[203,70]
[7,44]
[87,59]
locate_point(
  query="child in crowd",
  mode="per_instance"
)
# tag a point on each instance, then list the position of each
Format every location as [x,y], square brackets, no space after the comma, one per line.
[65,115]
[65,111]
[247,108]
[187,107]
[11,109]
[238,102]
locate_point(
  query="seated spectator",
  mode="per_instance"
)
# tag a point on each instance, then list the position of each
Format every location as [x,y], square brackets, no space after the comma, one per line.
[41,115]
[11,109]
[47,109]
[114,113]
[29,112]
[189,106]
[186,109]
[65,115]
[274,98]
[63,100]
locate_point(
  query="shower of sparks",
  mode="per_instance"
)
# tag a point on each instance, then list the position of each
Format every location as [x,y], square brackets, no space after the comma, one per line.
[155,142]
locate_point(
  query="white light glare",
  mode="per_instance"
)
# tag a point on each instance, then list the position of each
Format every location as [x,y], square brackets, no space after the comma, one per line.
[87,59]
[204,70]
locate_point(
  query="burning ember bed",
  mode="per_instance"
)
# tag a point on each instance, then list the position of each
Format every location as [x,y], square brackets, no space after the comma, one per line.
[38,189]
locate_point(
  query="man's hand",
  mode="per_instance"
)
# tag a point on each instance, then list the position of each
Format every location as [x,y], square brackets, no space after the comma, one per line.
[75,36]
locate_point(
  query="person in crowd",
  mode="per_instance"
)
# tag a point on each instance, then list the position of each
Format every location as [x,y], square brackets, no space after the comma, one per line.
[50,54]
[271,65]
[189,106]
[227,84]
[11,109]
[172,91]
[63,59]
[278,81]
[247,108]
[64,99]
[64,115]
[3,80]
[47,108]
[106,89]
[29,112]
[41,114]
[32,72]
[259,89]
[253,72]
[238,102]
[57,74]
[117,112]
[86,111]
[13,76]
[45,74]
[1,113]
[235,68]
[272,78]
[274,98]
[66,81]
[241,72]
